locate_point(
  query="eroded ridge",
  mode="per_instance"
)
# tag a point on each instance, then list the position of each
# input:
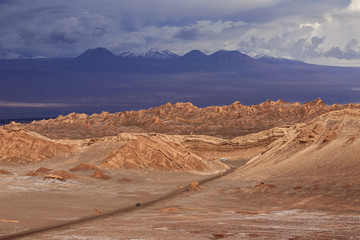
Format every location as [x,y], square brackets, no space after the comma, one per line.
[184,118]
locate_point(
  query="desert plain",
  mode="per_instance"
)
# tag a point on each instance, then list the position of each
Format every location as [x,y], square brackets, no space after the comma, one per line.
[281,171]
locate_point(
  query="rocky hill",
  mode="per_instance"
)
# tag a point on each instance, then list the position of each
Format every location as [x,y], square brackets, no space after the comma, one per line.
[152,152]
[326,146]
[20,146]
[185,119]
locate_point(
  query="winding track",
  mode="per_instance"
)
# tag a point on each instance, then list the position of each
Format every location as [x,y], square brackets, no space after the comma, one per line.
[118,211]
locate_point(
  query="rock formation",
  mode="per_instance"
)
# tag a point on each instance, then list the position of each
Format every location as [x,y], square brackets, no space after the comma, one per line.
[18,145]
[100,175]
[329,145]
[184,118]
[148,152]
[83,166]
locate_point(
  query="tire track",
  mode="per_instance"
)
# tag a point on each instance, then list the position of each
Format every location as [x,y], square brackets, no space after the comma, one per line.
[118,211]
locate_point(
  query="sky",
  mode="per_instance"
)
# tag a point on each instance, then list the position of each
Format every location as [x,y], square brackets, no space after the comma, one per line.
[322,31]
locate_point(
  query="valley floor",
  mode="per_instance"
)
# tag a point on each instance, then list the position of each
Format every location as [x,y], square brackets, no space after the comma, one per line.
[229,208]
[293,182]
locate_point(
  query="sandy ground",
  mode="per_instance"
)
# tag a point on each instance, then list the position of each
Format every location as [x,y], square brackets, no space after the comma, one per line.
[29,202]
[229,208]
[262,200]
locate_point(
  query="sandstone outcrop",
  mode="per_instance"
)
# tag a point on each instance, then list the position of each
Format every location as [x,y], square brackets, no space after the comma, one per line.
[185,119]
[64,174]
[100,175]
[151,152]
[83,166]
[4,172]
[214,148]
[20,146]
[326,146]
[194,186]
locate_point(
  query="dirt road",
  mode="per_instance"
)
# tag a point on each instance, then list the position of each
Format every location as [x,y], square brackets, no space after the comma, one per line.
[129,209]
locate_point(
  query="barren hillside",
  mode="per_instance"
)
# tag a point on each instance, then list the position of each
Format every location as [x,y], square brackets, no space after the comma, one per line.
[20,146]
[326,146]
[184,118]
[155,153]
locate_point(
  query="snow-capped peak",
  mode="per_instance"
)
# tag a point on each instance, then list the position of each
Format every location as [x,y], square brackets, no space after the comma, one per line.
[127,54]
[151,54]
[158,54]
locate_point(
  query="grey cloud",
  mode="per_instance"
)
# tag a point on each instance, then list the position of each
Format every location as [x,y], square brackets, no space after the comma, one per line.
[306,37]
[34,105]
[350,46]
[56,36]
[350,52]
[3,2]
[291,8]
[50,9]
[178,37]
[299,47]
[287,44]
[83,28]
[9,55]
[335,52]
[187,34]
[316,41]
[305,48]
[302,29]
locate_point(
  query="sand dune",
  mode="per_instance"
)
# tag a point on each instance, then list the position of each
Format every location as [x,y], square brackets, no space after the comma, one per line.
[326,146]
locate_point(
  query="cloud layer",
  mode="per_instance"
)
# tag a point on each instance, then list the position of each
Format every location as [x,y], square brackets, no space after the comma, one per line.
[34,105]
[323,31]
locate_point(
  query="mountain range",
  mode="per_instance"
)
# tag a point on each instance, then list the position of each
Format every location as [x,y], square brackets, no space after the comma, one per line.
[165,61]
[156,61]
[152,54]
[98,80]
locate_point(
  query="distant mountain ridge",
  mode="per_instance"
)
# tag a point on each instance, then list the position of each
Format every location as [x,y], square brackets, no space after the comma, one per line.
[151,54]
[226,55]
[195,59]
[98,80]
[163,61]
[195,54]
[96,53]
[166,54]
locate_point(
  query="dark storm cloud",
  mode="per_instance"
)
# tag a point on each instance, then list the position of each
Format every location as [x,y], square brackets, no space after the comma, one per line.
[34,105]
[62,37]
[316,41]
[335,52]
[350,52]
[47,23]
[301,29]
[55,9]
[187,34]
[3,2]
[75,29]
